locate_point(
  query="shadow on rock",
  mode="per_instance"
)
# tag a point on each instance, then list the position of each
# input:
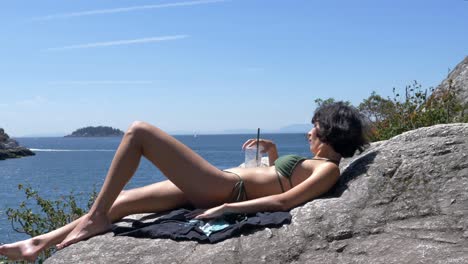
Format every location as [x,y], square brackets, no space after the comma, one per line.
[357,167]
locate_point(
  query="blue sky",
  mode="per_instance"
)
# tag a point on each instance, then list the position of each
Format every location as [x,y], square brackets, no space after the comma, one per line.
[212,66]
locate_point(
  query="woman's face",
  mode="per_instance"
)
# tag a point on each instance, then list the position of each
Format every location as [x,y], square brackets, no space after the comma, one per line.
[314,141]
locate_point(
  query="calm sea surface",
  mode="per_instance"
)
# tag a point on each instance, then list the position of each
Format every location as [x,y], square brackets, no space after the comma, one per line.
[65,165]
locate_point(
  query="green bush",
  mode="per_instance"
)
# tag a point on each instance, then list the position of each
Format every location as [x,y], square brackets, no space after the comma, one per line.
[417,108]
[53,214]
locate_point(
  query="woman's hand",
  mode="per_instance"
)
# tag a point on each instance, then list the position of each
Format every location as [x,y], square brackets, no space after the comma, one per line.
[208,213]
[265,144]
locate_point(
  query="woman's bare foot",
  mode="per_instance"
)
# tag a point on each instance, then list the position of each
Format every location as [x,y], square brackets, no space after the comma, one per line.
[27,250]
[89,226]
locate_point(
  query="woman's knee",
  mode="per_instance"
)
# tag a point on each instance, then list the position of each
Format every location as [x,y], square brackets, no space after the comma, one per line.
[137,130]
[137,127]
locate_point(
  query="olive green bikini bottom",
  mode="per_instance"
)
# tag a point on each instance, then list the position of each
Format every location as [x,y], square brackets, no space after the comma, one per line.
[238,193]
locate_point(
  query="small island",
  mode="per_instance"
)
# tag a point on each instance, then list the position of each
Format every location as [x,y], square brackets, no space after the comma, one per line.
[99,131]
[9,148]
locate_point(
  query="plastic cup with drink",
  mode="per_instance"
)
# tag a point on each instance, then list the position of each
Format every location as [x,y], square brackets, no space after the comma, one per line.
[253,154]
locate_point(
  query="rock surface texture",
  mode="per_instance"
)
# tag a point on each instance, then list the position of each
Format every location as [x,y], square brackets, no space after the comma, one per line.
[9,148]
[458,80]
[403,200]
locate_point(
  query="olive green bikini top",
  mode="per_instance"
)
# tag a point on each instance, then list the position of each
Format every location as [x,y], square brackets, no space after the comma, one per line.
[285,166]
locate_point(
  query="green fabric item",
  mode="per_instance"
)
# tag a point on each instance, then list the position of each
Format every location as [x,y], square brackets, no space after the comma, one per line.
[285,166]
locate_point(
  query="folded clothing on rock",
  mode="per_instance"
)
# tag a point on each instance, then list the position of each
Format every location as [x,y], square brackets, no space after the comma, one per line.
[177,226]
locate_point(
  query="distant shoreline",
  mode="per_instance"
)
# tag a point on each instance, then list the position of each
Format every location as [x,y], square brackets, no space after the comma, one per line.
[10,148]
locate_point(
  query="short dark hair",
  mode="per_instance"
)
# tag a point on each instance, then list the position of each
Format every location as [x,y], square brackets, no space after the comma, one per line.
[342,127]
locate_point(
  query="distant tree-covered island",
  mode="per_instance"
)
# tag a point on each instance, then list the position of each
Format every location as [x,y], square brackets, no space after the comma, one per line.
[99,131]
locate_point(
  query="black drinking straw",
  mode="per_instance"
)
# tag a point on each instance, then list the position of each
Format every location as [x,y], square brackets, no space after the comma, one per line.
[258,141]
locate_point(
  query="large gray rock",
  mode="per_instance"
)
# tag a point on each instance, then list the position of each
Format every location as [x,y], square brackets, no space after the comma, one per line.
[404,200]
[457,80]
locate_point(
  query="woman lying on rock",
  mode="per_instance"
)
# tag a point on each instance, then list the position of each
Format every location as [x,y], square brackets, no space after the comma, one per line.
[289,181]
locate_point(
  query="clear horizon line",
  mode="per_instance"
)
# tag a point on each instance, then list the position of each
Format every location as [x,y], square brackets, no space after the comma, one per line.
[119,42]
[174,133]
[125,9]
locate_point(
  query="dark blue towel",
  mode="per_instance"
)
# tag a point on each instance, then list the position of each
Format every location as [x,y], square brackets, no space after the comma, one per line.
[177,227]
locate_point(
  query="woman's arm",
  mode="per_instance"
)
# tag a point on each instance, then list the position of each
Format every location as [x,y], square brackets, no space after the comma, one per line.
[317,184]
[268,203]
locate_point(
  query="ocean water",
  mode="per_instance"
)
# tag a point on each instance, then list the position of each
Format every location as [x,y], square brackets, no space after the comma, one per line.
[65,165]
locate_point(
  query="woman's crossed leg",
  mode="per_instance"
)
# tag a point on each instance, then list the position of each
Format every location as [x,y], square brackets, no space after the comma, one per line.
[187,170]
